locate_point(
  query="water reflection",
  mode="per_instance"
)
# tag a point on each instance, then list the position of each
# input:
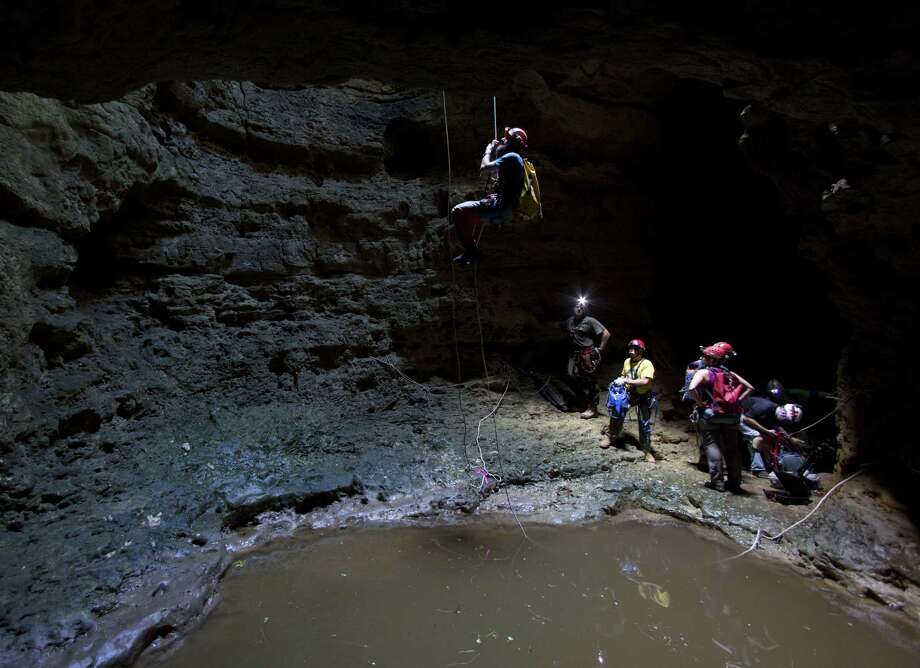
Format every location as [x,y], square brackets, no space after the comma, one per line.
[607,594]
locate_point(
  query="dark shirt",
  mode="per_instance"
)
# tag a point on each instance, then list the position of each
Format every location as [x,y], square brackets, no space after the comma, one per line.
[510,181]
[586,332]
[762,410]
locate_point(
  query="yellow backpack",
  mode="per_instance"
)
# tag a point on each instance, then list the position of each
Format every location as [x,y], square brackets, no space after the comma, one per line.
[529,206]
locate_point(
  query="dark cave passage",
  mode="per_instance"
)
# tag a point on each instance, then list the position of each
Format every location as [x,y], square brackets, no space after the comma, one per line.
[412,149]
[703,252]
[729,260]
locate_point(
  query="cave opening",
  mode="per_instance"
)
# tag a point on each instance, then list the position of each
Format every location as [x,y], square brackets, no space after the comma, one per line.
[718,256]
[111,251]
[730,266]
[97,267]
[411,149]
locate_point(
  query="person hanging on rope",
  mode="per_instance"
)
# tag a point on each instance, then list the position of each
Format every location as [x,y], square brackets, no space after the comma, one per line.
[504,160]
[589,338]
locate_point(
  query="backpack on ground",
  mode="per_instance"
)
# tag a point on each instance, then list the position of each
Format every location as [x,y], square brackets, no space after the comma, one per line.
[554,396]
[725,391]
[617,401]
[529,205]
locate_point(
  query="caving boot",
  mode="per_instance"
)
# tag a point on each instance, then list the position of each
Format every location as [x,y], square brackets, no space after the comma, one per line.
[590,412]
[470,256]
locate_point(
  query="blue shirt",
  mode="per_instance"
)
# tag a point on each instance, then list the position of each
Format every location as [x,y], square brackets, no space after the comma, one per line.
[510,181]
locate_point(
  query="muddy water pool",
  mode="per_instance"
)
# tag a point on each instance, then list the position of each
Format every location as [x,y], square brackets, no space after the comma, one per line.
[610,594]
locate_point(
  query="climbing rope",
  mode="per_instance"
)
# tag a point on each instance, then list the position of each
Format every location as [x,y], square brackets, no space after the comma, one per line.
[818,421]
[482,469]
[795,524]
[483,465]
[815,509]
[453,279]
[483,419]
[761,533]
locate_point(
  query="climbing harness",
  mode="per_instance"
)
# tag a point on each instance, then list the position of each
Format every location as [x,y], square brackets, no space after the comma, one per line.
[653,398]
[584,362]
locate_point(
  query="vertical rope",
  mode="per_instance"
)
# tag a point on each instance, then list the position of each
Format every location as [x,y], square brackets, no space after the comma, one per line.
[482,344]
[494,118]
[482,347]
[485,368]
[453,279]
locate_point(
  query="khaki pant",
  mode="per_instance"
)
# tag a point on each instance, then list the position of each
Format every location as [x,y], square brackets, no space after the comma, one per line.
[720,439]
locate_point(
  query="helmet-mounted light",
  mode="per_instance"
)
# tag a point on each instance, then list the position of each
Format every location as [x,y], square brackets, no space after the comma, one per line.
[582,301]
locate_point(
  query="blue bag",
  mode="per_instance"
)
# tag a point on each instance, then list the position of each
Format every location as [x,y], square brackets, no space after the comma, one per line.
[617,401]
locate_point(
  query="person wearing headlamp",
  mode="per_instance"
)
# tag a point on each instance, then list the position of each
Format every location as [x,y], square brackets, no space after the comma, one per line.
[589,338]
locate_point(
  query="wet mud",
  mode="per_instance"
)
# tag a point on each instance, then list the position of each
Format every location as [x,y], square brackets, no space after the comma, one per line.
[416,470]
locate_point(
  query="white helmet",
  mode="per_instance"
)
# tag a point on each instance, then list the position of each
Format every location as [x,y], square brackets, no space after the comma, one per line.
[789,413]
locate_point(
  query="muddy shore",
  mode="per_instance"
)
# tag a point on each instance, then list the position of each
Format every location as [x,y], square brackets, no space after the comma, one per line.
[553,473]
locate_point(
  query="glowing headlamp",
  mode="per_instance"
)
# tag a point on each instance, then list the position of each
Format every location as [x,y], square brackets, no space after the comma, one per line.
[582,301]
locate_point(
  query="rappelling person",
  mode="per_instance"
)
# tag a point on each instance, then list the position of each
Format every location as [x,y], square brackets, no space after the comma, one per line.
[718,393]
[589,338]
[637,376]
[503,159]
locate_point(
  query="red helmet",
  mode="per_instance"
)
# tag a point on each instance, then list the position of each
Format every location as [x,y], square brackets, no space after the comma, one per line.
[719,350]
[518,134]
[636,343]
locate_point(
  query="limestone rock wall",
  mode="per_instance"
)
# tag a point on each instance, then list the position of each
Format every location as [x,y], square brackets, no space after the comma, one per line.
[203,282]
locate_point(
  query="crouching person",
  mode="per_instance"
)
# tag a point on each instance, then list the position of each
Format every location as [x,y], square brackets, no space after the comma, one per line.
[760,423]
[718,394]
[637,376]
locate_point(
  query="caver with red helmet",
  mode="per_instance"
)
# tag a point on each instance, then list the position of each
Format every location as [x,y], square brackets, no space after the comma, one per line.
[719,350]
[503,161]
[637,375]
[636,343]
[518,135]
